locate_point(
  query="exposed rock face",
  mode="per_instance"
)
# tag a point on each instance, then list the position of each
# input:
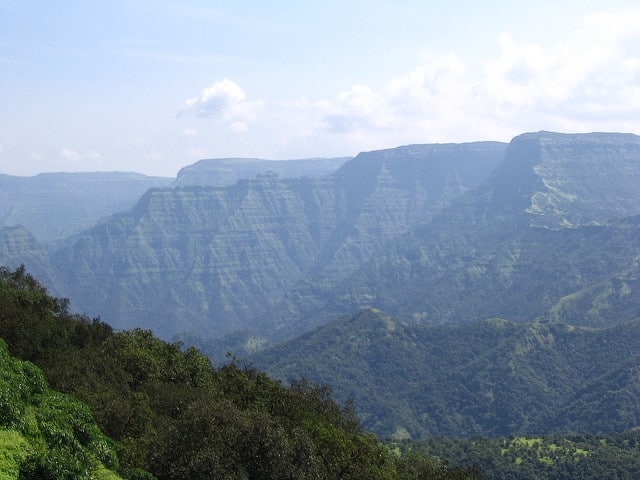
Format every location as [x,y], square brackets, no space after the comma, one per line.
[54,206]
[422,232]
[497,252]
[213,260]
[570,180]
[220,172]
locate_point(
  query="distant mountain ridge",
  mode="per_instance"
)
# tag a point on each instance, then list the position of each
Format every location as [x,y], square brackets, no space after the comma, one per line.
[212,259]
[491,254]
[55,206]
[220,172]
[446,233]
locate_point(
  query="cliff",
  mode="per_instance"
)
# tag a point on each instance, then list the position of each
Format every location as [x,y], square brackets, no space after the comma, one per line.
[214,260]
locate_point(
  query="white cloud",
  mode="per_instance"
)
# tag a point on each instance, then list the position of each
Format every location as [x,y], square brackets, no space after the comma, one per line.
[70,154]
[224,100]
[196,153]
[72,158]
[590,81]
[587,81]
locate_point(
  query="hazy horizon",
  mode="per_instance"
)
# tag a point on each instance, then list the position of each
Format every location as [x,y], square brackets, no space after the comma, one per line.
[152,87]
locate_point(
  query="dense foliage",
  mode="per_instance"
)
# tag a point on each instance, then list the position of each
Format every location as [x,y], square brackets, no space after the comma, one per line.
[172,414]
[493,377]
[587,457]
[46,434]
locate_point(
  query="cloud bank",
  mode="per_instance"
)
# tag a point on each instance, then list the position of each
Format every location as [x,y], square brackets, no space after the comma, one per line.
[591,81]
[588,82]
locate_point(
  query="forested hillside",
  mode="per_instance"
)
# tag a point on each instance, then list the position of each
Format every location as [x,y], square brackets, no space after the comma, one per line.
[45,434]
[167,410]
[493,377]
[550,457]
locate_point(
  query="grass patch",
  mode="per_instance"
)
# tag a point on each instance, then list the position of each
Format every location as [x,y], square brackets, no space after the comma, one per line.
[14,448]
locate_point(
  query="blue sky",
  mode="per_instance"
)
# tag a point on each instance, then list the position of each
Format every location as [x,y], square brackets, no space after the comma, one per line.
[151,86]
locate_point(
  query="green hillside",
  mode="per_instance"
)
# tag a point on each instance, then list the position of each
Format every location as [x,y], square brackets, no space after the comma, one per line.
[45,434]
[492,377]
[169,412]
[550,457]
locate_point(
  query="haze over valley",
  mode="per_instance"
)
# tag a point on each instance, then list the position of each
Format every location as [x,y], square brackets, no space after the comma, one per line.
[343,240]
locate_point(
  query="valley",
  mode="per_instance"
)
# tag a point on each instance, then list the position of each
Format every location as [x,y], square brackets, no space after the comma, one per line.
[449,291]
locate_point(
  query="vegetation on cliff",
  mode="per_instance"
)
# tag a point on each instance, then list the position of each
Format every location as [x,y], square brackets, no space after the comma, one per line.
[45,434]
[492,377]
[170,413]
[549,457]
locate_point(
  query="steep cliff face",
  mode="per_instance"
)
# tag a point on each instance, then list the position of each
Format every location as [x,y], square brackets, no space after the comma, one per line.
[569,180]
[386,193]
[199,258]
[214,260]
[423,232]
[496,252]
[54,206]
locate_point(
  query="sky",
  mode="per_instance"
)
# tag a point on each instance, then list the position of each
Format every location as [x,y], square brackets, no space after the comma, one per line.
[153,86]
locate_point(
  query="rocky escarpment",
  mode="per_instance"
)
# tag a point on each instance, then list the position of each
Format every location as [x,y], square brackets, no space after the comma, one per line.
[213,260]
[568,180]
[496,252]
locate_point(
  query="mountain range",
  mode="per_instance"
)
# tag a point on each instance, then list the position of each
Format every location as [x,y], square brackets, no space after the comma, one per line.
[451,289]
[215,259]
[56,206]
[554,220]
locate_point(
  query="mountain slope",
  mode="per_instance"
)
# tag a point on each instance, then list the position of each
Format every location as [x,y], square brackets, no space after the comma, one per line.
[494,377]
[417,231]
[18,246]
[213,260]
[167,410]
[496,252]
[45,434]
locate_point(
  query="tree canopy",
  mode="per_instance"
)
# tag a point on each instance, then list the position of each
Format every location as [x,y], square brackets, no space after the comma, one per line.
[170,413]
